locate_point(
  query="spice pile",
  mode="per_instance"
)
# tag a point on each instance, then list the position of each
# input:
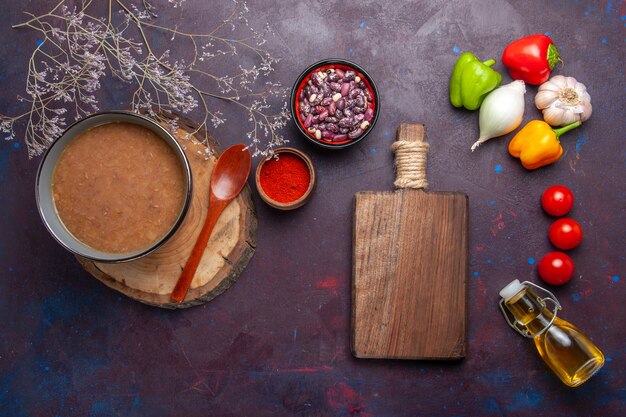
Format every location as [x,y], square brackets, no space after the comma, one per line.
[285,179]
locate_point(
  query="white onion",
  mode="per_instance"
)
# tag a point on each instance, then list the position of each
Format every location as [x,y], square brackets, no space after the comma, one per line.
[501,112]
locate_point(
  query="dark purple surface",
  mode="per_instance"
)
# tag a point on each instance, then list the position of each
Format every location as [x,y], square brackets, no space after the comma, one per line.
[277,342]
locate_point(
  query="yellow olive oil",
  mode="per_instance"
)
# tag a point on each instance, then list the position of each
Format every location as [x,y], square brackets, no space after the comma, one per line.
[567,351]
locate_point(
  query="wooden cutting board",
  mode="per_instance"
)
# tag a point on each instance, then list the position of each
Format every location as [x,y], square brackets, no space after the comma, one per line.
[410,265]
[151,279]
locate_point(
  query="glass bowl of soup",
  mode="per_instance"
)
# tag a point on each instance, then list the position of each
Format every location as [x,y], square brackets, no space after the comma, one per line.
[114,187]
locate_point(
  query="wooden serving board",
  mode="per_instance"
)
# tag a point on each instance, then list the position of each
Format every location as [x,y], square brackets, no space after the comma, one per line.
[152,278]
[409,273]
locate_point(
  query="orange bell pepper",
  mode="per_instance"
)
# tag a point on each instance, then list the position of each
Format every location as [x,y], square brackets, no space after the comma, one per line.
[537,144]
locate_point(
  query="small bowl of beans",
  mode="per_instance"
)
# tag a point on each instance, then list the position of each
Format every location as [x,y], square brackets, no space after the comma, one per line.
[334,103]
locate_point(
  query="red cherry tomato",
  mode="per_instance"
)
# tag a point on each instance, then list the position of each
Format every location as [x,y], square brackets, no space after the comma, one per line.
[557,200]
[565,233]
[556,268]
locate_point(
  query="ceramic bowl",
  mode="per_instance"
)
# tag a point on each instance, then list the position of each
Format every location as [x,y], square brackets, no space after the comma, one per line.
[45,202]
[292,204]
[301,83]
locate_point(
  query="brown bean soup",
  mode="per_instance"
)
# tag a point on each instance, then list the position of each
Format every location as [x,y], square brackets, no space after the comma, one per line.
[118,187]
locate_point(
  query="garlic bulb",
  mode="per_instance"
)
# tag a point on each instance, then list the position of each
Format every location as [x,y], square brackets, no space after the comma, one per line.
[563,100]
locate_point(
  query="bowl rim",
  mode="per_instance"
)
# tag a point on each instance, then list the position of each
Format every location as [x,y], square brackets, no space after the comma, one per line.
[293,204]
[307,71]
[95,254]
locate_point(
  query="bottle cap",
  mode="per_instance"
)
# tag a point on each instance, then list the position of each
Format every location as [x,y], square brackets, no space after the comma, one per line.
[510,290]
[514,288]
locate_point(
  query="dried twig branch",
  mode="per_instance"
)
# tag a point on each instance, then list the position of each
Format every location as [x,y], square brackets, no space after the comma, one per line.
[79,50]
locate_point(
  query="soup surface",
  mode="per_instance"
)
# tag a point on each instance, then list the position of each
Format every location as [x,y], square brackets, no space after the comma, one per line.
[118,187]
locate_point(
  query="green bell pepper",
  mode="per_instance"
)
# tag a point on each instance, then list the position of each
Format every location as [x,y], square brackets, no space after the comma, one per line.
[471,81]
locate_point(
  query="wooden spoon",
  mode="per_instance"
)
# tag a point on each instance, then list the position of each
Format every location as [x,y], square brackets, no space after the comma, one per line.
[227,180]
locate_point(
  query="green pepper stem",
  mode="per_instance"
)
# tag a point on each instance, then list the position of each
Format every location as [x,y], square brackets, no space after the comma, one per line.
[567,128]
[489,62]
[553,56]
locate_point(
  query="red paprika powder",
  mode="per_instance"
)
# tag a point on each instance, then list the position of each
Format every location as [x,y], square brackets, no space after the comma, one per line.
[285,179]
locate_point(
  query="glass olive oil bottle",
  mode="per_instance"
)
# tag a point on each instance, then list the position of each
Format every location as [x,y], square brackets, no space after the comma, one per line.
[567,351]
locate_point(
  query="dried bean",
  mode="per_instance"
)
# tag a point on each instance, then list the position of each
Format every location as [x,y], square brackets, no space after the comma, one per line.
[339,138]
[322,126]
[352,85]
[360,101]
[333,77]
[346,122]
[361,85]
[341,103]
[319,109]
[355,93]
[326,90]
[318,134]
[369,114]
[323,115]
[301,95]
[332,107]
[315,119]
[317,80]
[335,86]
[312,98]
[355,133]
[331,119]
[359,109]
[350,103]
[307,121]
[344,130]
[338,114]
[340,72]
[327,134]
[357,79]
[332,127]
[368,95]
[306,109]
[348,112]
[359,117]
[349,75]
[326,101]
[345,89]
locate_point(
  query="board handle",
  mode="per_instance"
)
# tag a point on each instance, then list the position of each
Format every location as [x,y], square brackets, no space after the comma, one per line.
[411,150]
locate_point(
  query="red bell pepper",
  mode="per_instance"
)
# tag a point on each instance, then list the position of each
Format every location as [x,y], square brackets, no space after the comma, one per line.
[531,58]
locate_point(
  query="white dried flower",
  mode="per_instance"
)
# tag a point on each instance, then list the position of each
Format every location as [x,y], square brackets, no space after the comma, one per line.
[79,51]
